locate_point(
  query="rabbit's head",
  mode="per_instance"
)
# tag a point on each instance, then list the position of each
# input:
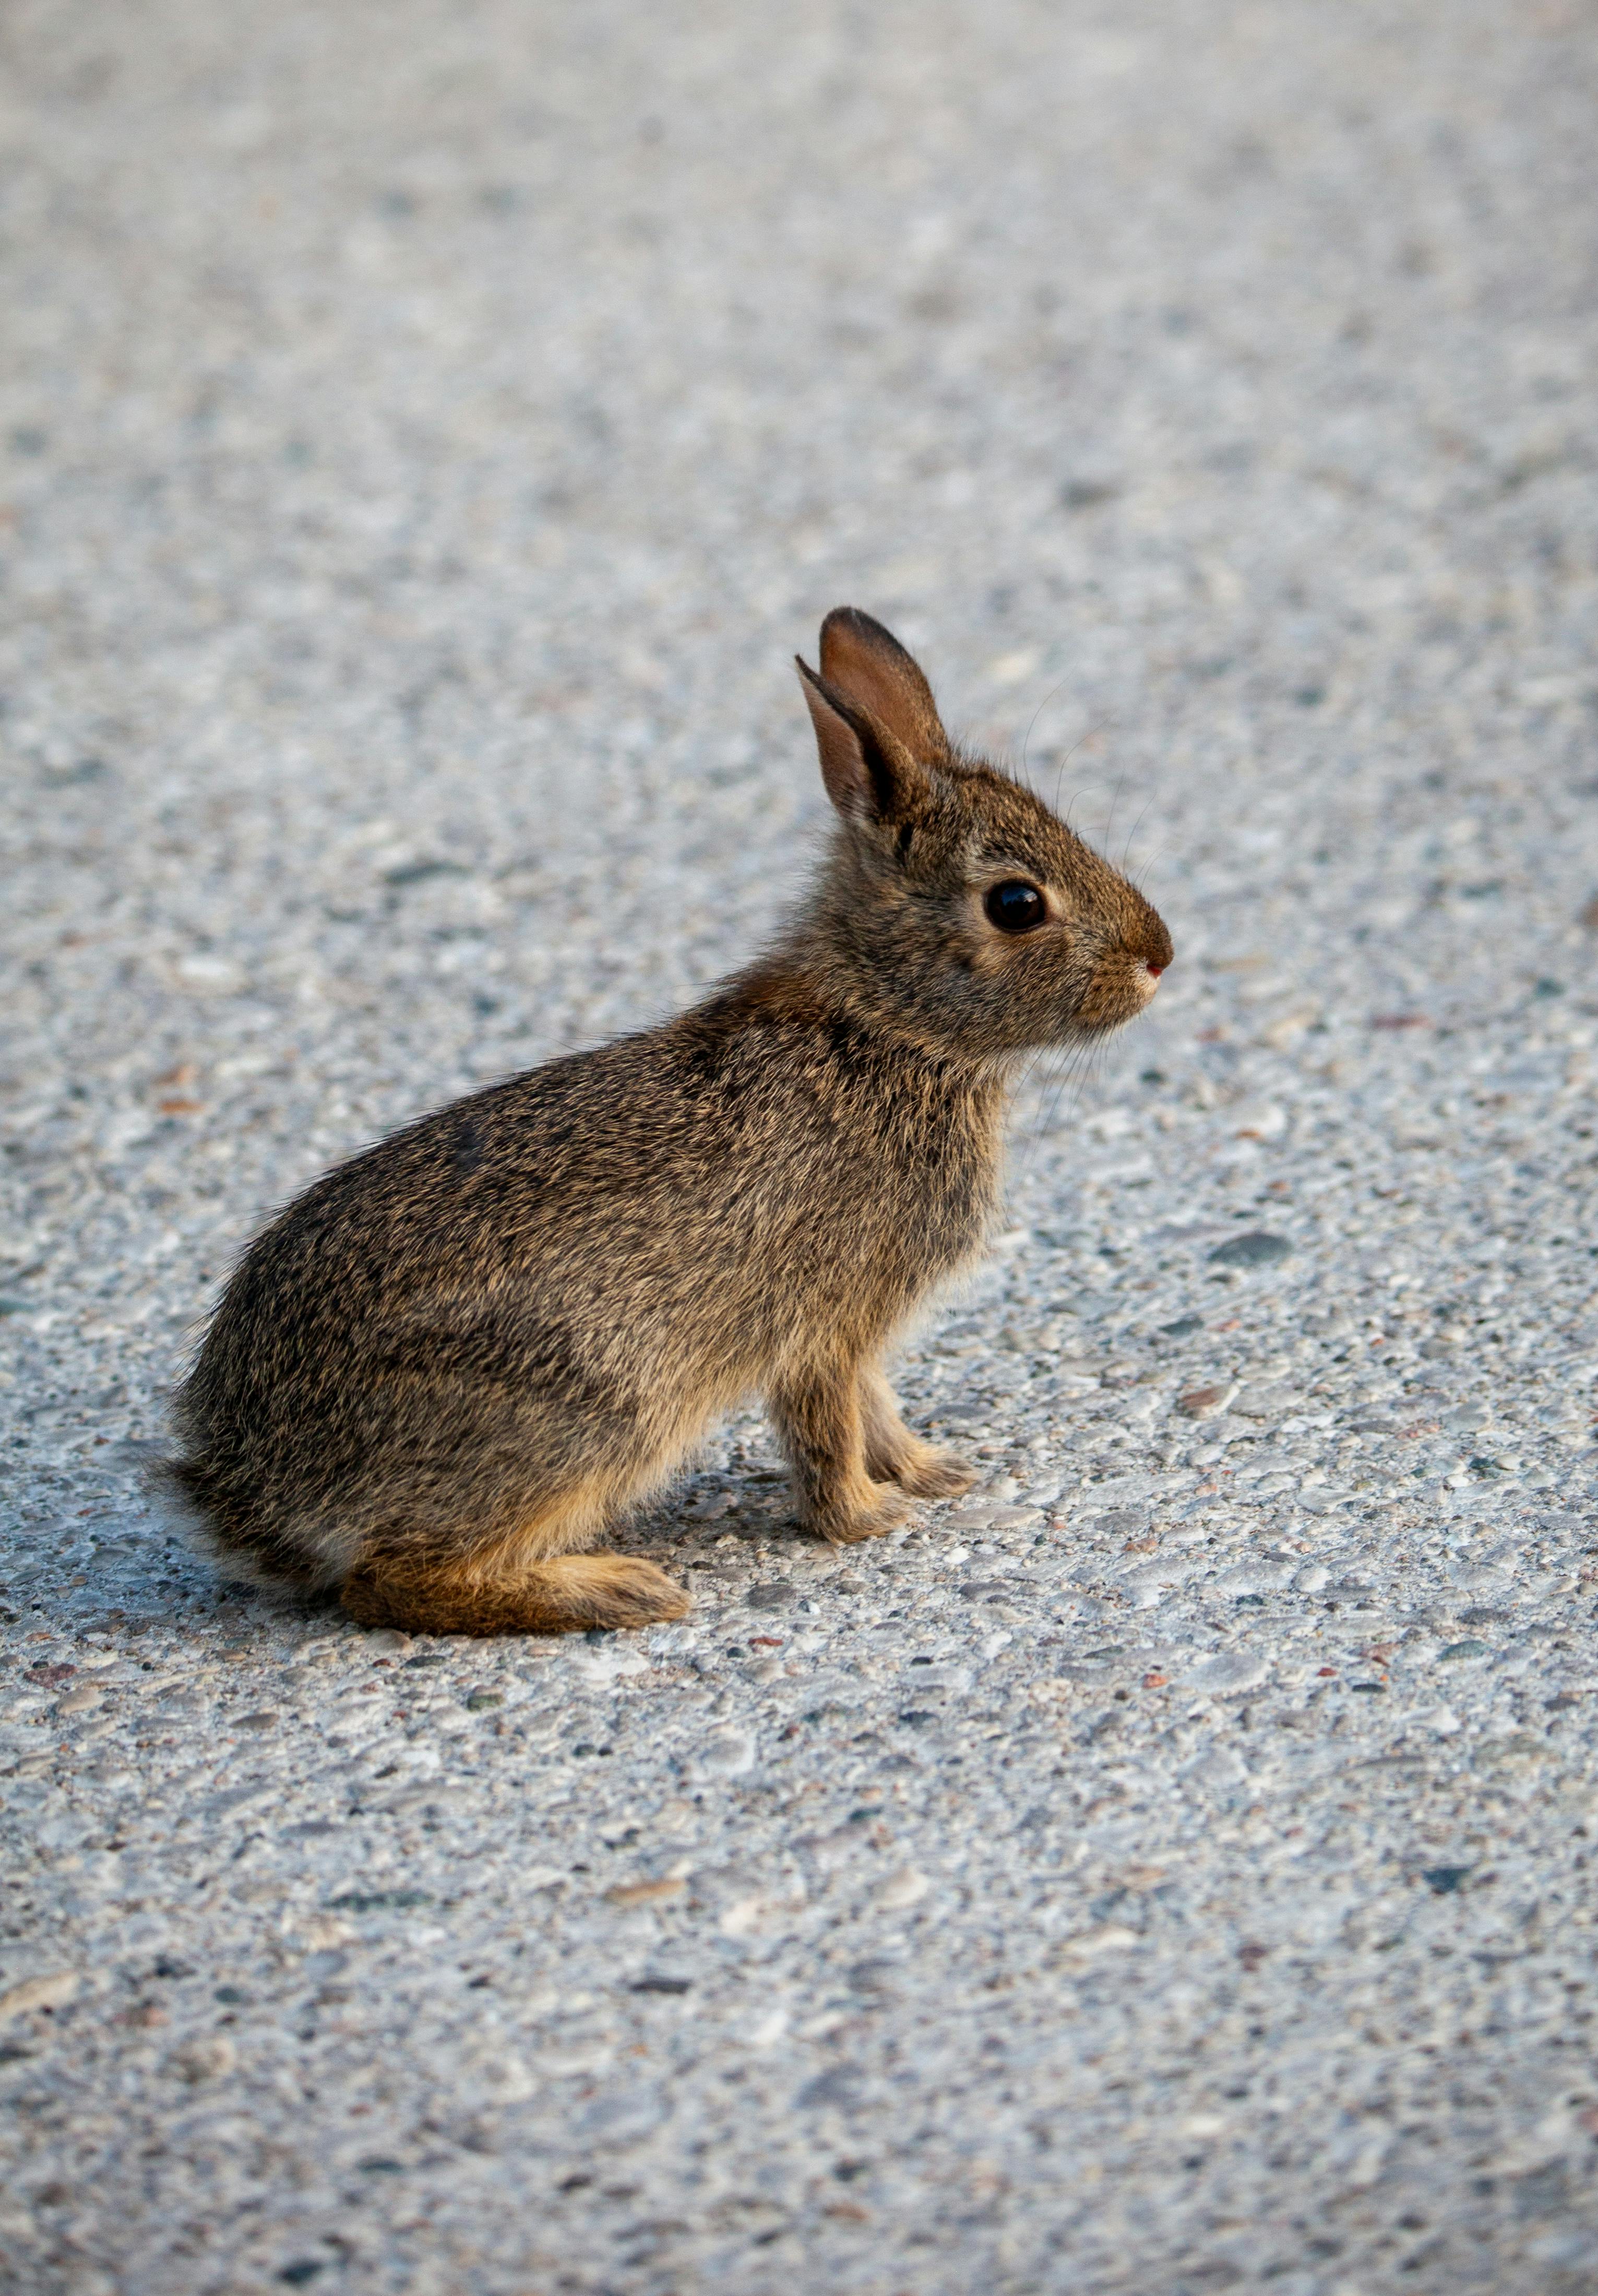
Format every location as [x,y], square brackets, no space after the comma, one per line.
[955,902]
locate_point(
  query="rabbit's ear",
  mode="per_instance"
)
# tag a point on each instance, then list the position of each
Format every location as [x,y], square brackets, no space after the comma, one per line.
[871,776]
[870,668]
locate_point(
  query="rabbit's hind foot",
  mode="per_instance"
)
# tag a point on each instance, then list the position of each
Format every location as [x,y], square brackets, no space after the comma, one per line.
[562,1595]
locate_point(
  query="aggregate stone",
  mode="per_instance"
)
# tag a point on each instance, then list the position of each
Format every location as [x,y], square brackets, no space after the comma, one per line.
[1255,1249]
[425,436]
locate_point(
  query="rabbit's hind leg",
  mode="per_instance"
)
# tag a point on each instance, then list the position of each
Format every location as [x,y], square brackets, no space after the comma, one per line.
[893,1453]
[560,1595]
[526,1581]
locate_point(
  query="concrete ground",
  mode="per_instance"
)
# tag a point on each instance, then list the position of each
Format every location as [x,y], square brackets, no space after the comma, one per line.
[428,432]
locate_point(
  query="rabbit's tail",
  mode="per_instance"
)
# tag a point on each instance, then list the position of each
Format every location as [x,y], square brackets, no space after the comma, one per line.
[297,1557]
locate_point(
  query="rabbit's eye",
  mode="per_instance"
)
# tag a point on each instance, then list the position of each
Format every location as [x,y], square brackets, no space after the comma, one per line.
[1016,906]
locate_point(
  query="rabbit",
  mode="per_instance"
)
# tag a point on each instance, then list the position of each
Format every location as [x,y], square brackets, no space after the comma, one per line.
[435,1379]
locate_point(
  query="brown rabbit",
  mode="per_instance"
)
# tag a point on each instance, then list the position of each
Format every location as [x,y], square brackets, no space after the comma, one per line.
[436,1378]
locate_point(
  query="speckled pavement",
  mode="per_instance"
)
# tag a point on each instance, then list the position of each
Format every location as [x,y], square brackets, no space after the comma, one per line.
[427,433]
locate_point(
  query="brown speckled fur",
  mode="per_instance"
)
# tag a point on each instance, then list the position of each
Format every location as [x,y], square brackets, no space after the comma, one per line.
[441,1374]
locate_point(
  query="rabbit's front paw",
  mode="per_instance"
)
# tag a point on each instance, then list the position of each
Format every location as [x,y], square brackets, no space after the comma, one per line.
[888,1510]
[929,1473]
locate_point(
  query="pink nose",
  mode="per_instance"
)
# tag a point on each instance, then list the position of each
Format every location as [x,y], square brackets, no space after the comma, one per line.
[1154,972]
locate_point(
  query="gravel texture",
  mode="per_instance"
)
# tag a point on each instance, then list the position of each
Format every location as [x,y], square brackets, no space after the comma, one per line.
[428,432]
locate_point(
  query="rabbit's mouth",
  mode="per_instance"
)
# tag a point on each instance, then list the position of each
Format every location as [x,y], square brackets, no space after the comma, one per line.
[1118,991]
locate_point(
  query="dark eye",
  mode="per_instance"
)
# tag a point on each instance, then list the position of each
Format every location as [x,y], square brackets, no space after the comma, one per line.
[1016,906]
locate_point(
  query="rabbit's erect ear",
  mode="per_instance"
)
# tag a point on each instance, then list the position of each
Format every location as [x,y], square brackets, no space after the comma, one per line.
[868,666]
[871,776]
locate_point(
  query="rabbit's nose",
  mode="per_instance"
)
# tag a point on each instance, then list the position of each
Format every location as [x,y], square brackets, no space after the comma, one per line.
[1154,971]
